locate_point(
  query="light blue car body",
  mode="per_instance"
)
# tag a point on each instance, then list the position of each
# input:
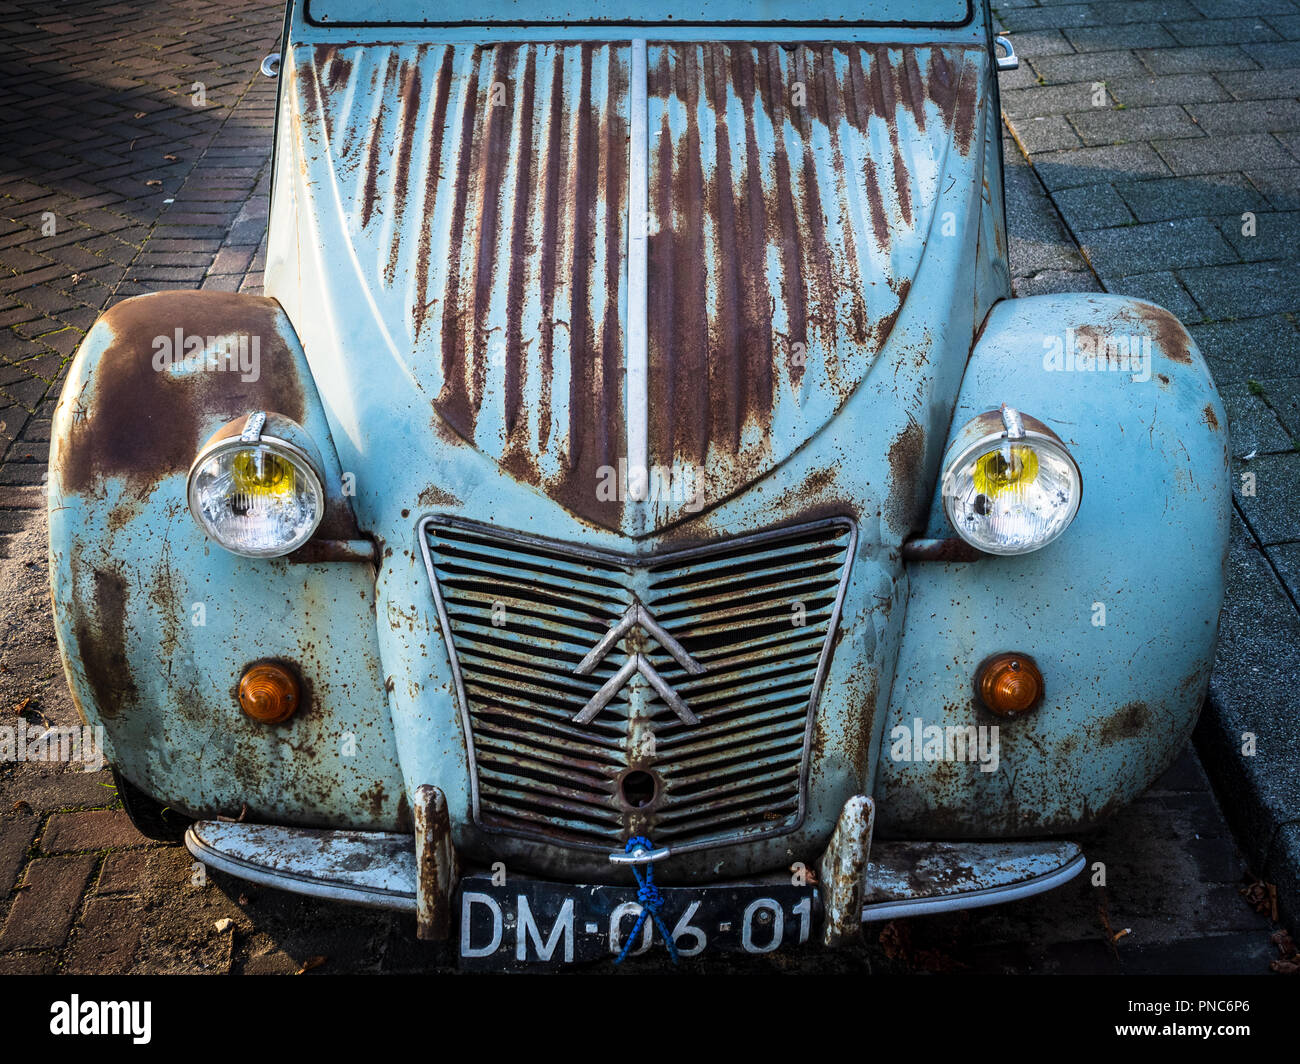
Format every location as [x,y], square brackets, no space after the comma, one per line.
[452,293]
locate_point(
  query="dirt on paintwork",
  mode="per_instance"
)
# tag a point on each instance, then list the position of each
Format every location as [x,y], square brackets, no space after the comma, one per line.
[1128,722]
[906,458]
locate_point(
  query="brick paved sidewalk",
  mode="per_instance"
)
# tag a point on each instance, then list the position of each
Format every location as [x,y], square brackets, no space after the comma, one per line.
[136,156]
[99,104]
[134,136]
[1167,134]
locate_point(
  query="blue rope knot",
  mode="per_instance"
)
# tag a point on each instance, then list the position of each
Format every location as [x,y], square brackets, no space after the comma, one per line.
[650,897]
[652,902]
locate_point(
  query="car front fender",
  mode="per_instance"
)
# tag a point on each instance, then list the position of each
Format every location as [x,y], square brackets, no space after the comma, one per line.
[156,623]
[1120,613]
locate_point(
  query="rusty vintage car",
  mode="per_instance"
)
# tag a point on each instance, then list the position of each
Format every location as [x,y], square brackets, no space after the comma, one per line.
[636,516]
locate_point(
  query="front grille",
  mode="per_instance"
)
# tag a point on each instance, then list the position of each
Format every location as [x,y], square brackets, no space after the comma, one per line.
[520,614]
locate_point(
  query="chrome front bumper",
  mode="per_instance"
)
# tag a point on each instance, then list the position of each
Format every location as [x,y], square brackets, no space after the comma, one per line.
[382,870]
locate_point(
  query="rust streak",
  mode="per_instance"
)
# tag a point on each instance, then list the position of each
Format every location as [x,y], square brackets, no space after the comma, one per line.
[375,147]
[410,78]
[432,177]
[453,400]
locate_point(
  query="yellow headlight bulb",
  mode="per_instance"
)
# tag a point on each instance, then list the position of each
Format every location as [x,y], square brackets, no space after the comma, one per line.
[258,472]
[1005,469]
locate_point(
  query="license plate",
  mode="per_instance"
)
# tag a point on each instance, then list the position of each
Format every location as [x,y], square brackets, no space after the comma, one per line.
[527,923]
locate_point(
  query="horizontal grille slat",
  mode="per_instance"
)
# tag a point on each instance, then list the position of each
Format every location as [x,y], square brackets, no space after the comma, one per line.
[762,597]
[700,754]
[737,773]
[522,725]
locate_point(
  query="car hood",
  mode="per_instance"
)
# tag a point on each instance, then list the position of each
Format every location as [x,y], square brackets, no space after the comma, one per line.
[471,203]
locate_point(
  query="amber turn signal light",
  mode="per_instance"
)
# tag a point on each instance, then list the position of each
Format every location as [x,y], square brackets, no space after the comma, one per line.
[1009,684]
[269,693]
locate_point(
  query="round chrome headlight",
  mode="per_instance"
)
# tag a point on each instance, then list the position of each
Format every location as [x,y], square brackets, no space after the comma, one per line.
[1009,484]
[255,487]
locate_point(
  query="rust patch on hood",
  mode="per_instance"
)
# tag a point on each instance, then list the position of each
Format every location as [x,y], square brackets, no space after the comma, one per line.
[516,245]
[783,239]
[1209,417]
[785,229]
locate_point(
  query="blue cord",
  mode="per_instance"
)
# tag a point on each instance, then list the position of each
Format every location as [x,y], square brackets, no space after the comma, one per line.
[652,902]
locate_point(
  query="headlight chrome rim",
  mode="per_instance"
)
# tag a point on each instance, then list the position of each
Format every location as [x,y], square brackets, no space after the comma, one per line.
[1018,429]
[228,439]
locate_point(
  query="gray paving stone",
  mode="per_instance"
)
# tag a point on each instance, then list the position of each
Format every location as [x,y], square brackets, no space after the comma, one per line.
[1291,141]
[1022,77]
[1257,671]
[1263,349]
[1090,166]
[1216,155]
[1046,133]
[1190,197]
[1040,42]
[1247,116]
[1283,396]
[1118,12]
[1035,218]
[1232,8]
[1087,66]
[1222,31]
[1277,236]
[1120,125]
[1286,559]
[1281,54]
[1035,256]
[1092,207]
[1161,288]
[1261,84]
[1050,100]
[1196,60]
[1110,38]
[1038,18]
[1287,26]
[1155,246]
[1174,89]
[1050,282]
[1282,187]
[1252,288]
[1271,512]
[1253,426]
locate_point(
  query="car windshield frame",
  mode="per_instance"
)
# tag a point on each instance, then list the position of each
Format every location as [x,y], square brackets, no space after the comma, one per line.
[501,14]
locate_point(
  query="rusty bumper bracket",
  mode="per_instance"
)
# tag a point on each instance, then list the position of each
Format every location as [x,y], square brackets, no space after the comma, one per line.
[842,871]
[435,865]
